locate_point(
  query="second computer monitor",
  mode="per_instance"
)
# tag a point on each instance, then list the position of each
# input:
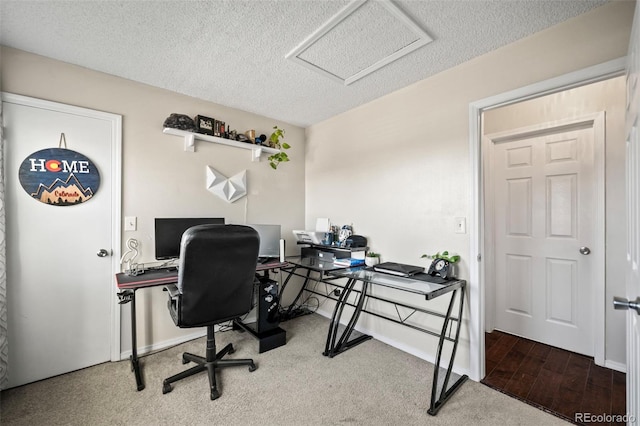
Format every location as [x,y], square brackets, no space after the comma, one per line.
[269,240]
[168,233]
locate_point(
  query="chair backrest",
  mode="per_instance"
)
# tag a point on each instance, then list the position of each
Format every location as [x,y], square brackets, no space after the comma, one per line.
[216,274]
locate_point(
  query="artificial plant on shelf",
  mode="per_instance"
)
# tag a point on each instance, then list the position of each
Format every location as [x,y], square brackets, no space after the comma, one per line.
[274,142]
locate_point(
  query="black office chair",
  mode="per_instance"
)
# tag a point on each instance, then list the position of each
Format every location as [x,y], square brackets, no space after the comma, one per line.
[215,285]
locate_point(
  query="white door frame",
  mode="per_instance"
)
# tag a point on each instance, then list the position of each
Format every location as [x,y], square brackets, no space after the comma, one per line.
[582,77]
[116,195]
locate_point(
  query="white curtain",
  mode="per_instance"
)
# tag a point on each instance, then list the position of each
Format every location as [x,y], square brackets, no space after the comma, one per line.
[4,348]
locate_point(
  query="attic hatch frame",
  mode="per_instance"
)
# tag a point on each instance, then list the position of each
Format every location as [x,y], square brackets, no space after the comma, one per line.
[422,39]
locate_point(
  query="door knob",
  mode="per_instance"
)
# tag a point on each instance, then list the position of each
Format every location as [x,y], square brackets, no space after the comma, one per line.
[622,303]
[102,253]
[585,250]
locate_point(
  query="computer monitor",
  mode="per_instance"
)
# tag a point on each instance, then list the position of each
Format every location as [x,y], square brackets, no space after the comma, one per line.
[168,233]
[269,240]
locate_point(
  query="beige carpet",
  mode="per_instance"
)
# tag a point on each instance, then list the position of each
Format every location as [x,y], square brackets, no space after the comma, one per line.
[372,384]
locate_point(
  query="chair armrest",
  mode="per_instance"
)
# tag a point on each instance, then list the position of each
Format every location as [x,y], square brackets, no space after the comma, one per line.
[173,290]
[174,302]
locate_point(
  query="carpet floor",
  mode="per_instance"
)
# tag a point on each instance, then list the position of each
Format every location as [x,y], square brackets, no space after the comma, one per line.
[371,384]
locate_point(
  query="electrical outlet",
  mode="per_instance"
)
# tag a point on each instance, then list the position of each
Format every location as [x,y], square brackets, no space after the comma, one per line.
[130,223]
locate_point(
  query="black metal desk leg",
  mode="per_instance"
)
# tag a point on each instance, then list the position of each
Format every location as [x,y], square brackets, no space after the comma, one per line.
[333,348]
[344,343]
[335,318]
[446,392]
[287,314]
[135,363]
[129,296]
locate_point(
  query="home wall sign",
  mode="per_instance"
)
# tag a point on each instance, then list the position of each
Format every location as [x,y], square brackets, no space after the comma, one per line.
[59,177]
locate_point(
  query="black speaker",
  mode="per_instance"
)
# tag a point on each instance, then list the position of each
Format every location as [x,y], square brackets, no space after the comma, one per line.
[267,305]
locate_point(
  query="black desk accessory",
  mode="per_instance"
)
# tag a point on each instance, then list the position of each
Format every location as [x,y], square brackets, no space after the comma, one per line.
[356,241]
[399,269]
[440,267]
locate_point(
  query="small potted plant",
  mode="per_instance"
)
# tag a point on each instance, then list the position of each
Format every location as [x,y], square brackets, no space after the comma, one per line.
[372,258]
[274,142]
[451,258]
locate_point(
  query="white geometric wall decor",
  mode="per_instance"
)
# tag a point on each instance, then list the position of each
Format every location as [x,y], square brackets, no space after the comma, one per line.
[229,189]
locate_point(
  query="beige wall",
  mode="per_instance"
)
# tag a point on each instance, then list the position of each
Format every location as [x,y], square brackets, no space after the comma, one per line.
[398,168]
[607,96]
[160,179]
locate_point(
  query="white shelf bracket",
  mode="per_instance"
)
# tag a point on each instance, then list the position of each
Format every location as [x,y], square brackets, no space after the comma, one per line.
[190,142]
[255,154]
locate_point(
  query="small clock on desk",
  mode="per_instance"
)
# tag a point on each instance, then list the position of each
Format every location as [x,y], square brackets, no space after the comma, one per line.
[440,268]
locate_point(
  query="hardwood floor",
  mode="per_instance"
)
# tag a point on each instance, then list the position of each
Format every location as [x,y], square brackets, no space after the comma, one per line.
[564,383]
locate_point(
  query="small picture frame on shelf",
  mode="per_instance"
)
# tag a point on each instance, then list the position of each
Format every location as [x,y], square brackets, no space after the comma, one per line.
[218,129]
[205,125]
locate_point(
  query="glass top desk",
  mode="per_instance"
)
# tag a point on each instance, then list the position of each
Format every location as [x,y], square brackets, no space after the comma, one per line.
[355,293]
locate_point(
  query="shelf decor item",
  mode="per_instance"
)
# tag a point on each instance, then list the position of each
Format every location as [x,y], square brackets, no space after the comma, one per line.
[205,125]
[180,121]
[274,142]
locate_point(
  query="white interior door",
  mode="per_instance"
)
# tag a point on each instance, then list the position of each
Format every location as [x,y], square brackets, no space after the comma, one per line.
[60,293]
[632,122]
[548,250]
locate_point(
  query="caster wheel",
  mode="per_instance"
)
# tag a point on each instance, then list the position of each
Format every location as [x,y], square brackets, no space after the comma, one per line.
[185,361]
[231,350]
[166,388]
[252,368]
[215,394]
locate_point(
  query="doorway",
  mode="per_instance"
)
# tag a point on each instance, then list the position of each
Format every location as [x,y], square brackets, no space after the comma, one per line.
[571,135]
[478,301]
[61,259]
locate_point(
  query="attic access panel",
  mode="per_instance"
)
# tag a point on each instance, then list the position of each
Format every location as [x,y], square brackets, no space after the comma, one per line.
[356,41]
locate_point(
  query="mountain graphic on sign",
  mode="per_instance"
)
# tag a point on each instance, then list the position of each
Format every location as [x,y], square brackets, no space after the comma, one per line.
[69,191]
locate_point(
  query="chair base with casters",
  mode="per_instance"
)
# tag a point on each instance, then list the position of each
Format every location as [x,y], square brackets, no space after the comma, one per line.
[212,362]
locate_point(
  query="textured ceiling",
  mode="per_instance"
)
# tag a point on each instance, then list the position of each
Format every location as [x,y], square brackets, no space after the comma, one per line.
[233,52]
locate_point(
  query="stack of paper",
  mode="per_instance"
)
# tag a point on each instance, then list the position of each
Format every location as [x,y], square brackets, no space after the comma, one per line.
[348,261]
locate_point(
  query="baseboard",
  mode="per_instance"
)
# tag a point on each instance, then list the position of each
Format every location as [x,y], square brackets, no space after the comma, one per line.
[401,346]
[165,344]
[200,332]
[614,365]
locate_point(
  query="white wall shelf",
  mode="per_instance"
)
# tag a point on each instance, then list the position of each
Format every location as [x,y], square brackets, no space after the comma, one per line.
[190,142]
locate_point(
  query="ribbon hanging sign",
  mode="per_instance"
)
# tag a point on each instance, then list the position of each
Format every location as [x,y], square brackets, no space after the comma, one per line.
[59,177]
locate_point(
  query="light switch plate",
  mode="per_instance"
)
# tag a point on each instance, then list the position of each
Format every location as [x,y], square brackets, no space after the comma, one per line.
[130,223]
[461,225]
